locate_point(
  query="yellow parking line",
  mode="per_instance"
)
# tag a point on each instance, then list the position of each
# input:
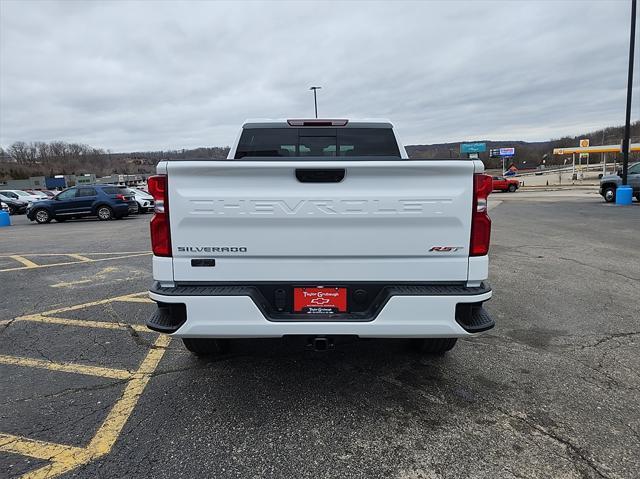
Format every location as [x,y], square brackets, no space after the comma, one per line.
[79,256]
[121,252]
[66,284]
[64,458]
[136,300]
[68,458]
[34,448]
[87,260]
[110,373]
[26,262]
[110,429]
[81,323]
[67,254]
[87,305]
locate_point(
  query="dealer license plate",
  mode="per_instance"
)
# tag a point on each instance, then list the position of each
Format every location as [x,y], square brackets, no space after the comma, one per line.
[324,300]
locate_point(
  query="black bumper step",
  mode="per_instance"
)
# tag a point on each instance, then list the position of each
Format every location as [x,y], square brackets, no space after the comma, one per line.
[167,318]
[474,318]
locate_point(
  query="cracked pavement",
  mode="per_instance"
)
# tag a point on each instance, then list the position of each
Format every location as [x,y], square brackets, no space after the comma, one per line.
[552,391]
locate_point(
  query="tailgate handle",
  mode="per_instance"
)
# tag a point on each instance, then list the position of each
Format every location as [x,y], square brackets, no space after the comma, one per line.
[320,176]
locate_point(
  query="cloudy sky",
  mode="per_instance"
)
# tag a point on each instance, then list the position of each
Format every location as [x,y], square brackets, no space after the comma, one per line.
[164,75]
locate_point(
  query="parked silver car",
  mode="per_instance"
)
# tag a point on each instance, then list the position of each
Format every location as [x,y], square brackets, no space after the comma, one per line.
[609,183]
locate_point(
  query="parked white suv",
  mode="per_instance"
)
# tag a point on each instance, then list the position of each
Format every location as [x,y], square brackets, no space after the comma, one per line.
[144,200]
[20,195]
[320,228]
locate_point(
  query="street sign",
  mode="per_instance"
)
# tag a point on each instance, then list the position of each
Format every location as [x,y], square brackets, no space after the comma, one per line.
[473,147]
[584,143]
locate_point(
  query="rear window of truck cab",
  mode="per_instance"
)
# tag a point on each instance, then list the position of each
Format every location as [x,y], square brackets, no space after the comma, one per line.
[317,142]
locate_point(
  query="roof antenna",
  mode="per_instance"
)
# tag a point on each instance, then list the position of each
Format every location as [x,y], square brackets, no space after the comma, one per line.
[315,99]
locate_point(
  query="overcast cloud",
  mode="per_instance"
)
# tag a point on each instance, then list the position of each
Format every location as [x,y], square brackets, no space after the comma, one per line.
[167,75]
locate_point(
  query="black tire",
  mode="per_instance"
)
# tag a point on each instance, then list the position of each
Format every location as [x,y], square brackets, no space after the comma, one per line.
[638,197]
[434,346]
[206,346]
[609,194]
[512,188]
[42,216]
[12,211]
[104,213]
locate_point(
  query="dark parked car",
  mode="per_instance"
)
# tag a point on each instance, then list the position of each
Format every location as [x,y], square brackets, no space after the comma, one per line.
[16,206]
[104,201]
[609,183]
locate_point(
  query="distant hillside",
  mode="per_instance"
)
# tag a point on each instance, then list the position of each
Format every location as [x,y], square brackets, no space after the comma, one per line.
[22,160]
[531,154]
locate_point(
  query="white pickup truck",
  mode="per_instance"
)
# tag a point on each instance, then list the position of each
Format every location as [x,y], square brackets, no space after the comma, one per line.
[320,228]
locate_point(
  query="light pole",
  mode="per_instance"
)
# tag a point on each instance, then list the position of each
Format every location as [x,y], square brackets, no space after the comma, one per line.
[627,125]
[315,99]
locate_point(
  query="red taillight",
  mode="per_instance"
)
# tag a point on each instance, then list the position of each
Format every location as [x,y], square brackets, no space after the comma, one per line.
[480,221]
[160,232]
[120,197]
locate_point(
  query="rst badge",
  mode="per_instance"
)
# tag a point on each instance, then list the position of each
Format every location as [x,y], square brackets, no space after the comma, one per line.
[445,249]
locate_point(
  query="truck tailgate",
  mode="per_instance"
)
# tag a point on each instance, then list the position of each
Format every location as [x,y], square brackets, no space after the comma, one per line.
[387,221]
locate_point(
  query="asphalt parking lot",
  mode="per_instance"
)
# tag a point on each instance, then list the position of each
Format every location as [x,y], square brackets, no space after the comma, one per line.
[552,391]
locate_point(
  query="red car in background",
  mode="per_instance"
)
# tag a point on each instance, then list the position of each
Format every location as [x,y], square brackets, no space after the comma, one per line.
[500,183]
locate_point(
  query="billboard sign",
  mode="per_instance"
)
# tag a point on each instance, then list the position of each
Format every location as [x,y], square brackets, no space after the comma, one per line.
[473,147]
[500,152]
[507,151]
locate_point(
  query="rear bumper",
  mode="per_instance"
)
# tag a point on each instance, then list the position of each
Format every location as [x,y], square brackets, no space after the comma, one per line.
[232,312]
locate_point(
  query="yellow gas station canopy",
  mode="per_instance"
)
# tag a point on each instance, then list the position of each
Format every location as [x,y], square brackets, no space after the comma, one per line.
[594,149]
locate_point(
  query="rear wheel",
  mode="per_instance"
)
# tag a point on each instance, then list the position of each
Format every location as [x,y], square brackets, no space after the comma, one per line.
[512,188]
[638,197]
[434,346]
[206,346]
[42,216]
[105,213]
[609,194]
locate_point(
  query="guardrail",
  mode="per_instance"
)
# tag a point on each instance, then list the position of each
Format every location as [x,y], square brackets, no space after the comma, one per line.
[564,168]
